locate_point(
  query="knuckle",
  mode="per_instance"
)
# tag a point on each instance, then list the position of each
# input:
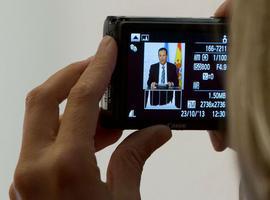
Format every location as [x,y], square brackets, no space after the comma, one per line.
[69,166]
[25,180]
[12,194]
[66,162]
[65,155]
[35,96]
[65,170]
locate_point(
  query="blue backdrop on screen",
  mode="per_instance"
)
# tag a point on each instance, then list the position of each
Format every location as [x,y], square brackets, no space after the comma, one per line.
[151,57]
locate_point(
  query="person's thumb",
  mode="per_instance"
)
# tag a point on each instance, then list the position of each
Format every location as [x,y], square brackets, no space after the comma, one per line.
[126,164]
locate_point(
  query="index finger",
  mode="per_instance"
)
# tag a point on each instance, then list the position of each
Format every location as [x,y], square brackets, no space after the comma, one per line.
[81,114]
[42,105]
[224,9]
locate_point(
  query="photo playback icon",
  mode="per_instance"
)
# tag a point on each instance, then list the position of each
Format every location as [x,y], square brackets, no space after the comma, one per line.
[135,37]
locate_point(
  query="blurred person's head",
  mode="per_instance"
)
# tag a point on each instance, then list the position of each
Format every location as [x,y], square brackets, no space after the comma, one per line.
[162,55]
[249,94]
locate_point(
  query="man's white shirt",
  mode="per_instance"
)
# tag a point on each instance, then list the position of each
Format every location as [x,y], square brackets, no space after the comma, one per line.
[160,73]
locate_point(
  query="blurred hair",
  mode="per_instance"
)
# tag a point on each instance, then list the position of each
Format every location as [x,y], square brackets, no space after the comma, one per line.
[163,49]
[249,93]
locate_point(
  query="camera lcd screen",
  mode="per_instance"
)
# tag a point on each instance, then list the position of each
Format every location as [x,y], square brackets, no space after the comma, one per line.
[176,73]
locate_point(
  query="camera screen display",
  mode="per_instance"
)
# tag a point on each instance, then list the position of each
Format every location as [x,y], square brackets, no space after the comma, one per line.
[176,73]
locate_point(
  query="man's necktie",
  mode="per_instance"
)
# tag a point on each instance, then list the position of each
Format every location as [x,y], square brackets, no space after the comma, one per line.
[163,75]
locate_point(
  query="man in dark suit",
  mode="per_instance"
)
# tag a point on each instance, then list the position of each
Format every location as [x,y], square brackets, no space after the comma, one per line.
[162,75]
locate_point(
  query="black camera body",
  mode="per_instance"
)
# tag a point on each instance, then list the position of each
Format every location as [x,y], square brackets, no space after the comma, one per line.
[169,71]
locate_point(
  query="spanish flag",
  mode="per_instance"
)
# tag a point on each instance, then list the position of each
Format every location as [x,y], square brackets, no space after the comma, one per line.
[178,63]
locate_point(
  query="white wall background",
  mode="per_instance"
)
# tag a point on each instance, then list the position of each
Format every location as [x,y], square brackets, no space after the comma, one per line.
[39,37]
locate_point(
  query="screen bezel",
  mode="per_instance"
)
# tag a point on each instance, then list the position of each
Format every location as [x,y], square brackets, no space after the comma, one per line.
[124,31]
